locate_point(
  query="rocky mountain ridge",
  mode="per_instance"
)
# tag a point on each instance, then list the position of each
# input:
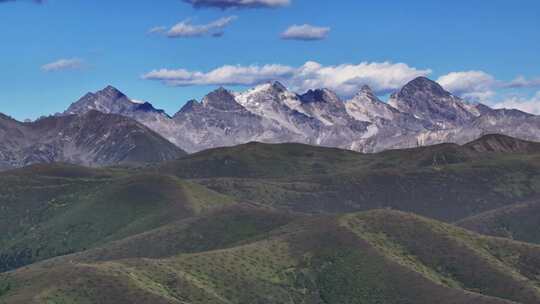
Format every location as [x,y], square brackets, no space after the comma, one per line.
[92,139]
[420,113]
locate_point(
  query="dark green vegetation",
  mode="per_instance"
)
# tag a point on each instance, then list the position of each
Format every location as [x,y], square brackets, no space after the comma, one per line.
[54,210]
[518,221]
[284,223]
[372,257]
[446,182]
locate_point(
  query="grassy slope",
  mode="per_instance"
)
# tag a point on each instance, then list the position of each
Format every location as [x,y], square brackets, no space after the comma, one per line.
[147,236]
[447,182]
[519,222]
[374,257]
[51,211]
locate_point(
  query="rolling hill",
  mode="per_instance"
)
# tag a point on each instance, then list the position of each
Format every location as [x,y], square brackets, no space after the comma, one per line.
[374,257]
[518,221]
[447,182]
[64,208]
[284,223]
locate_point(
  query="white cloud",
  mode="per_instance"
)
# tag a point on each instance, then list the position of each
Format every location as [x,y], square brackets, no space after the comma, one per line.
[345,79]
[225,75]
[225,4]
[187,29]
[522,82]
[63,64]
[157,30]
[531,105]
[305,32]
[476,85]
[481,86]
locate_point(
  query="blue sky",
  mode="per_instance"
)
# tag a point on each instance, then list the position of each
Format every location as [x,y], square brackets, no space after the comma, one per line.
[477,49]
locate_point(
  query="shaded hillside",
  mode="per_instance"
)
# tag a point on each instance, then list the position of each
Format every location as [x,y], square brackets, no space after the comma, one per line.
[447,181]
[374,257]
[497,143]
[518,221]
[50,214]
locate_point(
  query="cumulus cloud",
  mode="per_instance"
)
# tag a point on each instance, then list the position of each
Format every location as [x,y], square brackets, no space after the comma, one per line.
[186,29]
[305,32]
[225,75]
[345,79]
[63,64]
[226,4]
[481,86]
[475,85]
[530,105]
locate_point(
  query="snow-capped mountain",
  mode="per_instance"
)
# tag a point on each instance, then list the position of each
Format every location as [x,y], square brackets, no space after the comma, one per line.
[420,113]
[366,106]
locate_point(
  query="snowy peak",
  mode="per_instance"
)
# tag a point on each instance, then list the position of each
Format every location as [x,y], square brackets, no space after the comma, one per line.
[366,106]
[366,92]
[366,95]
[275,87]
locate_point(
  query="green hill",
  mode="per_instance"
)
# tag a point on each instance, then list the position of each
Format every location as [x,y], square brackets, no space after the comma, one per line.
[63,209]
[284,223]
[374,257]
[446,182]
[518,221]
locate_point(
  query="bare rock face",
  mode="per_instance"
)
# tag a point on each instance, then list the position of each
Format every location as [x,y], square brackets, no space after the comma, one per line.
[420,113]
[91,139]
[428,101]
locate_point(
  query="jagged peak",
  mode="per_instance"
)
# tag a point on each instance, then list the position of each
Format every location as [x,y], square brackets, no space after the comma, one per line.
[366,88]
[366,93]
[319,95]
[278,86]
[220,92]
[221,99]
[111,91]
[271,87]
[189,106]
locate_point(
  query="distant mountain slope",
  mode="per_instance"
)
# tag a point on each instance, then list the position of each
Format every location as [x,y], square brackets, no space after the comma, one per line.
[421,113]
[375,257]
[91,139]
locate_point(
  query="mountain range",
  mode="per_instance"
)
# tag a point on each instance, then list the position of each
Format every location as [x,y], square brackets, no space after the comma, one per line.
[107,127]
[421,113]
